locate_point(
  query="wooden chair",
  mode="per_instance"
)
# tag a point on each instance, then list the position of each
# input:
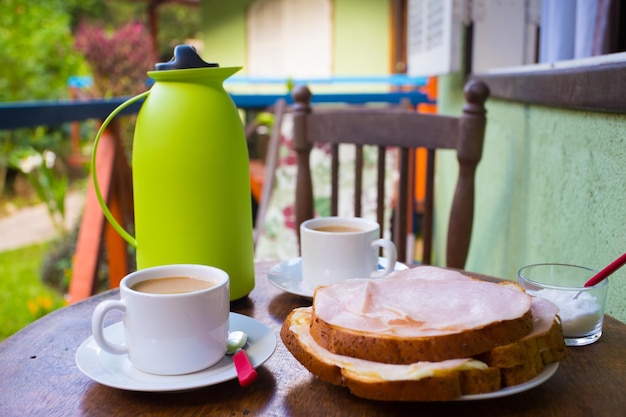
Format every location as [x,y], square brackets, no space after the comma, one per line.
[405,130]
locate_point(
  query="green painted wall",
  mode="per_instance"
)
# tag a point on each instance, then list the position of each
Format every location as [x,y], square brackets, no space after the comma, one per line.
[224,33]
[361,37]
[551,187]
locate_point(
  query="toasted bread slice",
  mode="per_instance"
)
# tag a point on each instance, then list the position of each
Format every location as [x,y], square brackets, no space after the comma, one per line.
[422,381]
[480,381]
[390,349]
[523,372]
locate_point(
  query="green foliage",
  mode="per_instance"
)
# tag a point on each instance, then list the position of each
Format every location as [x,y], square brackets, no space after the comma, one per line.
[56,269]
[38,57]
[16,142]
[265,118]
[49,183]
[23,297]
[113,14]
[36,50]
[177,24]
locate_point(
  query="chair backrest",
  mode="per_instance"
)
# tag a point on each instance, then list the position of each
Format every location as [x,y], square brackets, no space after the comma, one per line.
[406,130]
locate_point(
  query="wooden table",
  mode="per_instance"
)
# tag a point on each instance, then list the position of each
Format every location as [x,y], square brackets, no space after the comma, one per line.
[38,376]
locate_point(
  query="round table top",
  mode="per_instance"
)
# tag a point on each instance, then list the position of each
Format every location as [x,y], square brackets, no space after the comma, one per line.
[39,376]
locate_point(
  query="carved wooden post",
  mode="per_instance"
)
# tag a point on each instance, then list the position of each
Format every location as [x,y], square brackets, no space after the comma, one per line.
[304,186]
[469,152]
[116,185]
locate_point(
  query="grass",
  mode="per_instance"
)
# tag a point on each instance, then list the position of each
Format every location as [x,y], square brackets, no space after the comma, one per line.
[23,296]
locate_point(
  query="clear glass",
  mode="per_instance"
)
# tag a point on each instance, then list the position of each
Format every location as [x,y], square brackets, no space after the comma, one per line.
[581,308]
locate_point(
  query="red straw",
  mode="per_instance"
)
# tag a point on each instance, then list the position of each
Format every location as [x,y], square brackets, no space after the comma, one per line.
[610,268]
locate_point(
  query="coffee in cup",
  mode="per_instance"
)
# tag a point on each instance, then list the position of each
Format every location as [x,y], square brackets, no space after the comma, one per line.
[179,325]
[173,285]
[337,248]
[338,228]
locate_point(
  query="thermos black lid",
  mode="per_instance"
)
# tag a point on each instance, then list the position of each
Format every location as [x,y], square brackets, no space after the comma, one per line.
[185,57]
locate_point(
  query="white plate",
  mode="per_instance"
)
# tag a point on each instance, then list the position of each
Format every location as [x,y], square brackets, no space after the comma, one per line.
[547,373]
[287,276]
[117,372]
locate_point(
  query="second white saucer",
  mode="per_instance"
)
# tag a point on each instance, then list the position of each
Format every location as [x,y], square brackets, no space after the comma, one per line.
[287,276]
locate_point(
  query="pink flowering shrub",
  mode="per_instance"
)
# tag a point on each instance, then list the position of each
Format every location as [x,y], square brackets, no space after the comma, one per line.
[119,59]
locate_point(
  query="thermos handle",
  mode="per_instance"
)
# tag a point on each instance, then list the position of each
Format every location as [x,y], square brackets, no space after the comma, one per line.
[105,209]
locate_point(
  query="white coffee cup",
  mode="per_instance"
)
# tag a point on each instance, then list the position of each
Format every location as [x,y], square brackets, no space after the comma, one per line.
[172,333]
[337,248]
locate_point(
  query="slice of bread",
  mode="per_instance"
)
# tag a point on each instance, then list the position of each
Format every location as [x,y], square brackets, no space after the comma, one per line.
[421,381]
[390,349]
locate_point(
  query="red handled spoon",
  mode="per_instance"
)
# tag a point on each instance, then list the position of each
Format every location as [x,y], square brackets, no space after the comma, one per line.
[245,371]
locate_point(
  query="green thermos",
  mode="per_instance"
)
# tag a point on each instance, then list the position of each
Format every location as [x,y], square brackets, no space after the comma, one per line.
[191,180]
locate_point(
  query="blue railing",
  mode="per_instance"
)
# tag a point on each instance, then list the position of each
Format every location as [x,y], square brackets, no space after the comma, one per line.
[37,113]
[396,80]
[260,101]
[53,113]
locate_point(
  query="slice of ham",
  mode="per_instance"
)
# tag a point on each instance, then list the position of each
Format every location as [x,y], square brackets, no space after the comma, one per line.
[544,312]
[424,301]
[430,273]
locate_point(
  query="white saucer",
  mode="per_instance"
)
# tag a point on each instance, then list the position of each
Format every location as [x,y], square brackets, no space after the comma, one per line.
[116,371]
[287,276]
[547,373]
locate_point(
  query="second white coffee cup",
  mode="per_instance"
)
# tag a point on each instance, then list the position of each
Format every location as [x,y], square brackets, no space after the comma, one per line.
[175,330]
[337,248]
